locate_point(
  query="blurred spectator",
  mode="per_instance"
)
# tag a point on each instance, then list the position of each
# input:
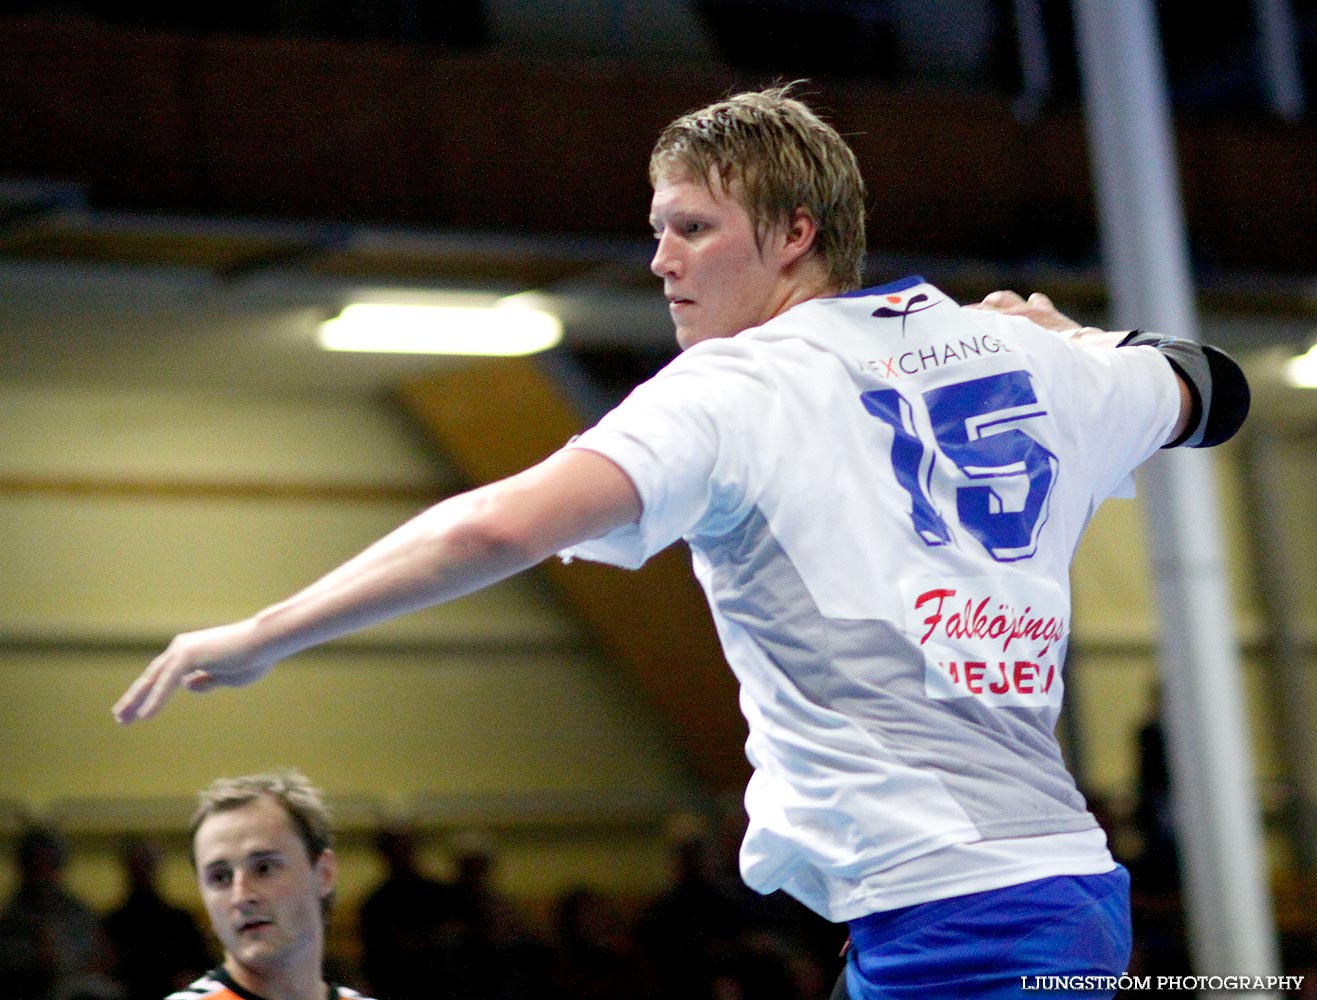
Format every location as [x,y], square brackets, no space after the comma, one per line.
[499,955]
[158,948]
[1156,904]
[596,958]
[711,937]
[687,932]
[784,949]
[423,938]
[407,925]
[51,946]
[1158,864]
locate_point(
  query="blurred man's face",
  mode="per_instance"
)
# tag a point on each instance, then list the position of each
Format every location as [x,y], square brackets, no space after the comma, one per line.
[261,890]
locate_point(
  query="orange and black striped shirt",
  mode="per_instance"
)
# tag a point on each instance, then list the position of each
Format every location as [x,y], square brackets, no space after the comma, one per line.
[217,984]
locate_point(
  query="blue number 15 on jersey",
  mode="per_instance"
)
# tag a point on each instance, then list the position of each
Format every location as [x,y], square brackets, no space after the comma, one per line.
[976,425]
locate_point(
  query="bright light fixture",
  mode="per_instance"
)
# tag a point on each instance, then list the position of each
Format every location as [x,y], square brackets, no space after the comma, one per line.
[505,329]
[1301,370]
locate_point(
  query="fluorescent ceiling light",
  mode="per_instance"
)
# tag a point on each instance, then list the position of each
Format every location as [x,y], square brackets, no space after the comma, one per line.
[503,330]
[1301,370]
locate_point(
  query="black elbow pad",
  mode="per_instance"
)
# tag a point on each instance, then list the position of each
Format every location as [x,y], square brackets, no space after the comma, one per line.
[1217,384]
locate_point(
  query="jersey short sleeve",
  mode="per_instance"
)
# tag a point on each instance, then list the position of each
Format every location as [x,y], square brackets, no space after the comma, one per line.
[684,439]
[1147,380]
[1118,405]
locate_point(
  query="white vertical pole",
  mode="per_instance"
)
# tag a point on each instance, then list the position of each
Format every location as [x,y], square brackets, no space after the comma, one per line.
[1146,258]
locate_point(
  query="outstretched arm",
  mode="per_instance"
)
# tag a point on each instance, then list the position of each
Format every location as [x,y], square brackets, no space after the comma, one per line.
[458,546]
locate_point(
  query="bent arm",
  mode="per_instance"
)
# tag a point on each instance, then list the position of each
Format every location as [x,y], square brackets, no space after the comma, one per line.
[458,546]
[1214,395]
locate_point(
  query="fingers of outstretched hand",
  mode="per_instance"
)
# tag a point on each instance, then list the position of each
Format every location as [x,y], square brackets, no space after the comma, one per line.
[1038,307]
[147,695]
[1003,300]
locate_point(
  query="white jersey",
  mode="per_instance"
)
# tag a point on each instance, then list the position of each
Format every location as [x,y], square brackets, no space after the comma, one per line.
[882,493]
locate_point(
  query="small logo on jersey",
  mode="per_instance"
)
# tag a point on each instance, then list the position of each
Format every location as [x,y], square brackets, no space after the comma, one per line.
[887,312]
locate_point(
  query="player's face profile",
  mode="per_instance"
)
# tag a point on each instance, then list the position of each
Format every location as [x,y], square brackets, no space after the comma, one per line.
[715,277]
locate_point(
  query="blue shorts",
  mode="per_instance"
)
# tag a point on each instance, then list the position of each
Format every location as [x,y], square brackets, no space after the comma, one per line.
[990,944]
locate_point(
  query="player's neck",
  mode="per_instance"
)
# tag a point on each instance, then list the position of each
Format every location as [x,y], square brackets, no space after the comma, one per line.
[804,281]
[301,981]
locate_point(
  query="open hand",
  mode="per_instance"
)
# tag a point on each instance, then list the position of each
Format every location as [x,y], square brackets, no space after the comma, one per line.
[215,657]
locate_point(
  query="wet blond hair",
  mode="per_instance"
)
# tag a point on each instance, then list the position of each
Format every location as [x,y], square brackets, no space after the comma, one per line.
[785,158]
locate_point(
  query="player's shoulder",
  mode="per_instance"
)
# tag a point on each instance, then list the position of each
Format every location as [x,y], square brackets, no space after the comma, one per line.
[207,987]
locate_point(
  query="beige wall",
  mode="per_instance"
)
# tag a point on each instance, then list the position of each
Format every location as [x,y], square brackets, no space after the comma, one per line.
[127,516]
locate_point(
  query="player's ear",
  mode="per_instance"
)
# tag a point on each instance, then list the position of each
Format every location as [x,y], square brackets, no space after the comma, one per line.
[326,869]
[799,234]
